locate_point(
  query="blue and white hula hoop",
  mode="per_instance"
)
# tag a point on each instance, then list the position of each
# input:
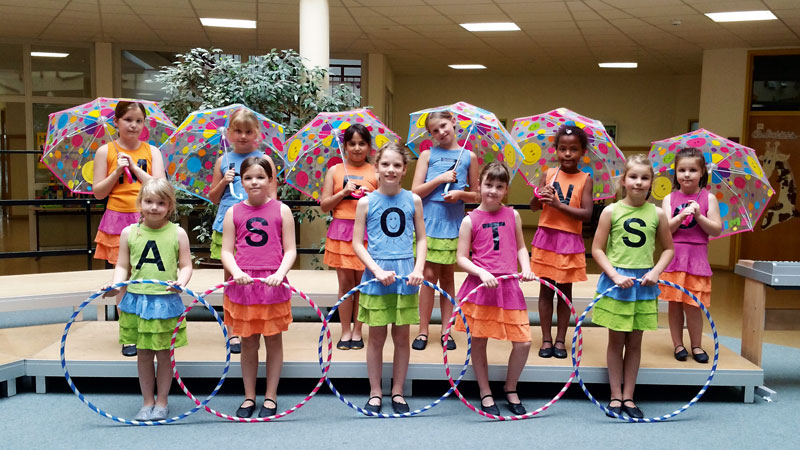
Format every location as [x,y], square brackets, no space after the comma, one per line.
[683,408]
[326,367]
[94,408]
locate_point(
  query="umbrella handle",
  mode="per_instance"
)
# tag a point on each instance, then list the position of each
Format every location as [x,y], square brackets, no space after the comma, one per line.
[128,175]
[233,192]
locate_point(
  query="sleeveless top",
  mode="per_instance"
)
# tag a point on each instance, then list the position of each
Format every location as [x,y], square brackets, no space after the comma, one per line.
[390,225]
[231,160]
[569,189]
[494,240]
[154,254]
[123,196]
[441,161]
[363,176]
[258,235]
[632,239]
[692,233]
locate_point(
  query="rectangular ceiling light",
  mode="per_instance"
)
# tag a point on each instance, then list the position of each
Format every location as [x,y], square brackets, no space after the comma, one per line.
[741,16]
[490,26]
[50,54]
[618,65]
[466,66]
[227,23]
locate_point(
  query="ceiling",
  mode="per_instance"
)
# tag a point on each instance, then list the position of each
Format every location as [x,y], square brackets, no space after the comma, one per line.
[556,37]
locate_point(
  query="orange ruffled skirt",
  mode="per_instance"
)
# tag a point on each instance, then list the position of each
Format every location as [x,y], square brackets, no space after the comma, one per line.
[698,285]
[340,255]
[557,267]
[495,322]
[107,247]
[266,320]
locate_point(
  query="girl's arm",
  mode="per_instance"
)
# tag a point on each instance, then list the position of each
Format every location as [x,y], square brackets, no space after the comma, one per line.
[219,182]
[226,255]
[462,255]
[272,187]
[584,213]
[328,200]
[711,223]
[385,277]
[522,252]
[599,249]
[415,278]
[472,193]
[419,186]
[184,260]
[665,237]
[103,183]
[123,267]
[536,204]
[289,247]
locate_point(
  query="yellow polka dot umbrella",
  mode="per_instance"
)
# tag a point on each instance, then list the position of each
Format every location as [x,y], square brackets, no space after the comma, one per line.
[75,134]
[735,177]
[535,135]
[319,145]
[192,151]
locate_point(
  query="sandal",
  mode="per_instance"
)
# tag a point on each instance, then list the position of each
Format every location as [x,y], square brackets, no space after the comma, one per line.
[681,355]
[451,344]
[701,357]
[614,409]
[491,409]
[374,408]
[560,353]
[245,412]
[420,343]
[236,348]
[632,411]
[399,408]
[546,352]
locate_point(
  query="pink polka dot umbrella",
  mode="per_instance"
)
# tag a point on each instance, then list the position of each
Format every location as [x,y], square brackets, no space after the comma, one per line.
[535,135]
[319,145]
[736,177]
[75,134]
[192,151]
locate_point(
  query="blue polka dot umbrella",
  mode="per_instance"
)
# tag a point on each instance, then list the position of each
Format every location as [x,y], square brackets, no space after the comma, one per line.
[75,134]
[735,177]
[192,151]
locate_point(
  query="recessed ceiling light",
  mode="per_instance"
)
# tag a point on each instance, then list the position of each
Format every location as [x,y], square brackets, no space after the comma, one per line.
[50,54]
[490,26]
[618,65]
[466,66]
[227,23]
[741,16]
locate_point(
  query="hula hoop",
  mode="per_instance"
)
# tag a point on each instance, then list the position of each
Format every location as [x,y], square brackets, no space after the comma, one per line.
[227,344]
[683,408]
[94,408]
[326,368]
[546,405]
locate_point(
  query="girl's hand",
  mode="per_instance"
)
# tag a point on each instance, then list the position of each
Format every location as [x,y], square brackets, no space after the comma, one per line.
[448,177]
[694,207]
[174,286]
[415,278]
[622,281]
[385,277]
[242,279]
[123,161]
[274,280]
[111,292]
[650,278]
[547,195]
[230,174]
[488,279]
[528,276]
[452,196]
[349,188]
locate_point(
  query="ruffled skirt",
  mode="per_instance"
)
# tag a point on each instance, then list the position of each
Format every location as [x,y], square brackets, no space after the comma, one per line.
[339,251]
[107,238]
[398,303]
[558,255]
[635,308]
[149,320]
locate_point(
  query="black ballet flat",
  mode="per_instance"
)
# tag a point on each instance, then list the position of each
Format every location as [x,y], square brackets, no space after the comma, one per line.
[491,409]
[245,412]
[560,353]
[632,411]
[516,408]
[614,409]
[702,357]
[268,412]
[374,408]
[681,355]
[546,352]
[398,407]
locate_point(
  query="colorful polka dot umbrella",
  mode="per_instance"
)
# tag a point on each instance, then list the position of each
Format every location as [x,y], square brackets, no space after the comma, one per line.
[319,146]
[190,154]
[75,134]
[477,130]
[735,177]
[604,161]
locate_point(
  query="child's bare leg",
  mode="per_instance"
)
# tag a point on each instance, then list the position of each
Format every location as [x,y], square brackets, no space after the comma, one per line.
[274,346]
[163,377]
[377,337]
[357,325]
[234,339]
[694,322]
[546,314]
[563,315]
[633,356]
[447,283]
[516,362]
[616,345]
[402,352]
[426,294]
[480,367]
[346,279]
[249,362]
[146,369]
[675,315]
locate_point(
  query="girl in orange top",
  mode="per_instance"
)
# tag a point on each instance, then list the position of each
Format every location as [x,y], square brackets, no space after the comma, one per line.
[557,250]
[143,161]
[344,184]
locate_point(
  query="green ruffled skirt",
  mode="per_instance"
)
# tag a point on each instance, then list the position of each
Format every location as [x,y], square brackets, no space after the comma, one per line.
[381,310]
[152,334]
[440,251]
[626,316]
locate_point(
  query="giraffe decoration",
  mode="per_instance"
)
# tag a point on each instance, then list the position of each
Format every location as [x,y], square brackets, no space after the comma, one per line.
[784,207]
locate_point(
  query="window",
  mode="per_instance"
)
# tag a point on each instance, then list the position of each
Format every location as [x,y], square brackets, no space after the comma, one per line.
[138,69]
[776,83]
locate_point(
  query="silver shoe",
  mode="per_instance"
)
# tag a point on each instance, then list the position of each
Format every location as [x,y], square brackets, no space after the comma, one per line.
[159,413]
[144,414]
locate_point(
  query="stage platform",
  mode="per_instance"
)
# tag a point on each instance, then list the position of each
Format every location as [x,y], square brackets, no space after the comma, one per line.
[92,349]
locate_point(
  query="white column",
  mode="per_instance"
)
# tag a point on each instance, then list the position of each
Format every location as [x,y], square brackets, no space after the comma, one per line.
[315,33]
[103,69]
